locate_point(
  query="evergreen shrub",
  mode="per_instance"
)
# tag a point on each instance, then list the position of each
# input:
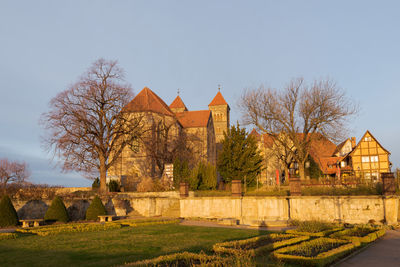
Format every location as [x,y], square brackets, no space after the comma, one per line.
[113,186]
[8,214]
[57,211]
[95,209]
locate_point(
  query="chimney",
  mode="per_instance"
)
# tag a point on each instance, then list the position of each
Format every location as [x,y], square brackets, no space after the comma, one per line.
[353,142]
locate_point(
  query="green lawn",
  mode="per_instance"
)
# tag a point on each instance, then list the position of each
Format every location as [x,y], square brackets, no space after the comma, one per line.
[113,247]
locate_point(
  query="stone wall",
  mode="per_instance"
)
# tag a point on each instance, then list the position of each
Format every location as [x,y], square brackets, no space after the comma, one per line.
[118,204]
[248,210]
[264,210]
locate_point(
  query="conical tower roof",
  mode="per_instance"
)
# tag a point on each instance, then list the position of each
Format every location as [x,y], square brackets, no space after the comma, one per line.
[178,103]
[218,100]
[147,100]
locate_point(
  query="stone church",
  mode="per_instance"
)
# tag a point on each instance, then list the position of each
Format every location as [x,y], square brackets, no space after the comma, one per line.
[169,123]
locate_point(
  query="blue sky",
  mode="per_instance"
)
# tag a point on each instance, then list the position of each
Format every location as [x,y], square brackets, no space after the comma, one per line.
[195,45]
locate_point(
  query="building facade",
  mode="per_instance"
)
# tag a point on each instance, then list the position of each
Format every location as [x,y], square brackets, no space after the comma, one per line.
[164,127]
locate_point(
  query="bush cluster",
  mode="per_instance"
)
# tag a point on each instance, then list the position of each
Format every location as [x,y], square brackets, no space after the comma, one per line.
[8,214]
[95,209]
[57,211]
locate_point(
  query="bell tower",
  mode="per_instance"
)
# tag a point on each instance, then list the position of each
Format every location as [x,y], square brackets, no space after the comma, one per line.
[220,113]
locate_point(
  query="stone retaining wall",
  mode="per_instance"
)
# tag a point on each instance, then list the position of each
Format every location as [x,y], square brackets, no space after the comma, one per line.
[264,210]
[248,210]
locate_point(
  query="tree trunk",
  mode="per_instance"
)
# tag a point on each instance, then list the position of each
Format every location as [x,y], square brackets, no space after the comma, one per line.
[103,172]
[302,171]
[287,178]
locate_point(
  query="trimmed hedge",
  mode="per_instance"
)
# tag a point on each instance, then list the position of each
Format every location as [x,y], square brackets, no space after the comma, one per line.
[136,223]
[69,228]
[95,209]
[57,211]
[183,259]
[8,214]
[349,234]
[318,234]
[8,236]
[234,247]
[322,259]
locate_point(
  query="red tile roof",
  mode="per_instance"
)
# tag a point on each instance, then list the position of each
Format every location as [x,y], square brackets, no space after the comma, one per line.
[218,100]
[190,119]
[147,100]
[178,103]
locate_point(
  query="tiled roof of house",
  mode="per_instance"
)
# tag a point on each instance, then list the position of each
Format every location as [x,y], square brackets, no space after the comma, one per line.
[256,135]
[178,103]
[268,140]
[328,165]
[147,100]
[218,100]
[190,119]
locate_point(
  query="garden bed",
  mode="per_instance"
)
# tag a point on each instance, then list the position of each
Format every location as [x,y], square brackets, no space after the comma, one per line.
[359,234]
[260,244]
[69,228]
[313,228]
[4,236]
[182,260]
[317,252]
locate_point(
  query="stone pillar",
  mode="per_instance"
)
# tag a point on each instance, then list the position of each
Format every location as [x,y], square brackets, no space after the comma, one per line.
[295,186]
[236,188]
[389,183]
[184,189]
[391,209]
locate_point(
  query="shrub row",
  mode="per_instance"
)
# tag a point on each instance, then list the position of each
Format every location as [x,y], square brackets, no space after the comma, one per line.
[8,236]
[352,234]
[303,254]
[184,259]
[147,222]
[259,244]
[69,228]
[317,234]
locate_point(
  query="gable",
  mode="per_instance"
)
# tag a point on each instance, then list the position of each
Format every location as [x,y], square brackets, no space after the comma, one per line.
[365,142]
[147,100]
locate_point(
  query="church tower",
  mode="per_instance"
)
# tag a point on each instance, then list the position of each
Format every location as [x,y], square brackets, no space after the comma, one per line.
[220,113]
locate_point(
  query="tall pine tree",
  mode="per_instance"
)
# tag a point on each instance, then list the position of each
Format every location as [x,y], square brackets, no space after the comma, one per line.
[240,158]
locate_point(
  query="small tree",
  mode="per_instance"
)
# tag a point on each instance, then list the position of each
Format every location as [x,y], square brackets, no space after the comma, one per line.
[8,214]
[204,175]
[95,209]
[240,158]
[113,186]
[96,183]
[12,171]
[57,211]
[181,172]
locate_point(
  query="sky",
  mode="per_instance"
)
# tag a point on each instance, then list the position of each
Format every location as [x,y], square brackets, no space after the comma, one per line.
[195,46]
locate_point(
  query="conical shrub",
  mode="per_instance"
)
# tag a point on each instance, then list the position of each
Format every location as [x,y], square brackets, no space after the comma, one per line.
[57,211]
[95,209]
[8,215]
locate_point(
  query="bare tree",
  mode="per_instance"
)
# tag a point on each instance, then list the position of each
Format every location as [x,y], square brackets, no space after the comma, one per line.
[86,122]
[299,113]
[12,172]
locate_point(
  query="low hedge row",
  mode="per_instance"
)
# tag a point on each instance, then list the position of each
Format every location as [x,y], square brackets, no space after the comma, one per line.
[349,234]
[234,247]
[322,259]
[8,236]
[147,222]
[318,234]
[183,259]
[69,228]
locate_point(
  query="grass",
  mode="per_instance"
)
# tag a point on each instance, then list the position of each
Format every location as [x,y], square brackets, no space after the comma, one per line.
[115,246]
